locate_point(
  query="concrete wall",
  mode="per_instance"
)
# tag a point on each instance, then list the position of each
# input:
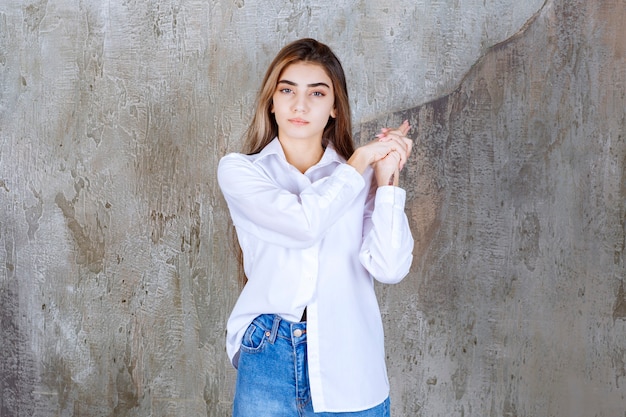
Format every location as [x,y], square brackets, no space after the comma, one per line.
[117,275]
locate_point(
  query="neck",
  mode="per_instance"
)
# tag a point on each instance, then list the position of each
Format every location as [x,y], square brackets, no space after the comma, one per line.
[302,155]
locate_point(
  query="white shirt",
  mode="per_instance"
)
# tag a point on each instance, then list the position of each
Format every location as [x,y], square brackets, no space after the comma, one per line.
[316,240]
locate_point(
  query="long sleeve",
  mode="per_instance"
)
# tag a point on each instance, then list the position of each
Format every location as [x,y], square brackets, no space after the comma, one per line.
[388,244]
[268,210]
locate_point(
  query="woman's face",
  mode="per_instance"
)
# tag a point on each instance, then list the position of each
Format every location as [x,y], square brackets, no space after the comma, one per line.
[303,102]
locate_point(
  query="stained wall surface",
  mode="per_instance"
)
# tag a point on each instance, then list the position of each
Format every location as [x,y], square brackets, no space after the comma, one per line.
[117,274]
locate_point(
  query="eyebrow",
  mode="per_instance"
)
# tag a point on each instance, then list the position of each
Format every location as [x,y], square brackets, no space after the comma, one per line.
[321,84]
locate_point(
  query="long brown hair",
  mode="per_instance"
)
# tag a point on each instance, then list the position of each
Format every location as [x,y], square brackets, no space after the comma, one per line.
[263,128]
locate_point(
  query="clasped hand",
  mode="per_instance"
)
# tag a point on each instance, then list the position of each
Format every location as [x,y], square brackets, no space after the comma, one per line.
[387,154]
[392,149]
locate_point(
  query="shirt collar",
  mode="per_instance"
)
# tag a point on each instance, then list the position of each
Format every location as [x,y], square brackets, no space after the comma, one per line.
[272,148]
[275,148]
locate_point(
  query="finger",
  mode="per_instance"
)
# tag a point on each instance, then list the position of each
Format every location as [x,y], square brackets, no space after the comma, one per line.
[409,146]
[399,164]
[401,154]
[400,133]
[387,132]
[401,141]
[383,133]
[402,130]
[408,143]
[408,153]
[404,127]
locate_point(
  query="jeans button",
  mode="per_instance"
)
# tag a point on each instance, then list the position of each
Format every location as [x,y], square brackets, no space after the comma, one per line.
[297,333]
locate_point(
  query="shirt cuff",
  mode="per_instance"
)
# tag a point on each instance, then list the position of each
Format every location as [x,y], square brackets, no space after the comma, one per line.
[388,194]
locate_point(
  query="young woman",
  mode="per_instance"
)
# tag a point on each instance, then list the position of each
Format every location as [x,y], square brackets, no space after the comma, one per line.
[317,221]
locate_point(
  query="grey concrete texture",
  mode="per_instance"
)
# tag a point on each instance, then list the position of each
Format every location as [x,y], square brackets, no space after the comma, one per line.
[118,271]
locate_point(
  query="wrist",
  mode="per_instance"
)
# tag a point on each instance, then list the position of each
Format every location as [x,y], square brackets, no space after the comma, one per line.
[359,161]
[388,180]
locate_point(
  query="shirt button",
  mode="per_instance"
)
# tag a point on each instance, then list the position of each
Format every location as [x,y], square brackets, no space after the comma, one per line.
[297,333]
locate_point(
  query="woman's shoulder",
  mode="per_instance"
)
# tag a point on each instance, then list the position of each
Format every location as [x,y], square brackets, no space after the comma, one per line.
[235,156]
[235,169]
[242,160]
[231,170]
[234,161]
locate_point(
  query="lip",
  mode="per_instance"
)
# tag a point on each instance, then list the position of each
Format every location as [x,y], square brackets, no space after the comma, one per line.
[298,122]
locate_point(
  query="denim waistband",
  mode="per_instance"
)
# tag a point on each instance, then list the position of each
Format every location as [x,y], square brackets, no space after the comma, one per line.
[276,326]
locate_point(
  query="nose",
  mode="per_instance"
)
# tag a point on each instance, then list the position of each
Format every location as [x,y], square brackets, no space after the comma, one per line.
[300,105]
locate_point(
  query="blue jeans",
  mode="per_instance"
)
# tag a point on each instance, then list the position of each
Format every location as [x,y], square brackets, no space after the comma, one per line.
[272,376]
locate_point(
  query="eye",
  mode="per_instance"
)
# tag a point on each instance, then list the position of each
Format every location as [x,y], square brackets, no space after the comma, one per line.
[318,94]
[286,90]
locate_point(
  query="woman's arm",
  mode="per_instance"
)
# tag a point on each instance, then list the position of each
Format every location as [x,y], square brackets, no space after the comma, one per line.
[261,207]
[387,248]
[388,244]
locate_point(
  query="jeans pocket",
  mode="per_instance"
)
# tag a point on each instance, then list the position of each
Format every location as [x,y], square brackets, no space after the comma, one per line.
[253,339]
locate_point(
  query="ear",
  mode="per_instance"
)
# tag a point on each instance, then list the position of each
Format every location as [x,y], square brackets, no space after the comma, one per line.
[333,113]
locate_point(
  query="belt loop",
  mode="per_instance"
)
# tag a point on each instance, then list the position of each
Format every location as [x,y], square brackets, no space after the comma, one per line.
[275,326]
